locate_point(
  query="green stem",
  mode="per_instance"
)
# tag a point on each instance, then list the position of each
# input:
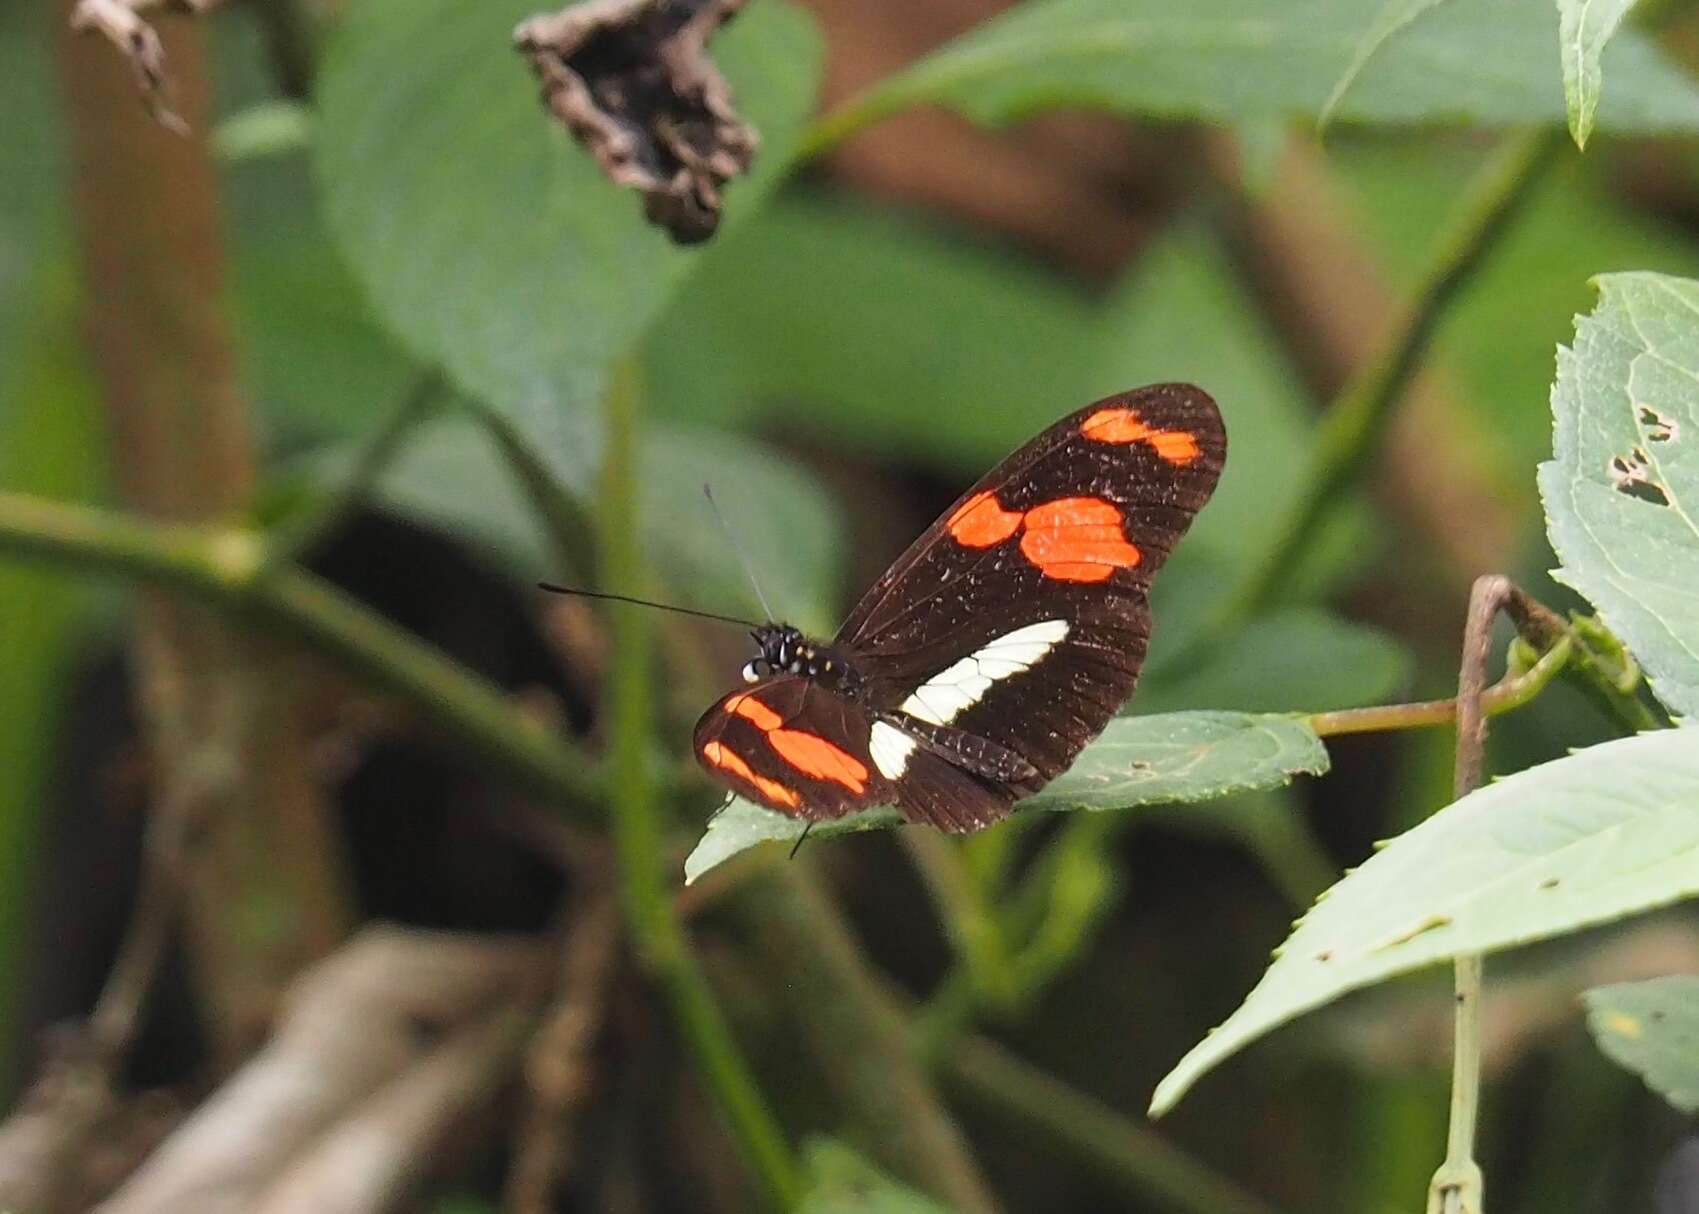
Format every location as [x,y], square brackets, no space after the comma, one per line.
[1507,695]
[657,937]
[561,515]
[225,569]
[1350,431]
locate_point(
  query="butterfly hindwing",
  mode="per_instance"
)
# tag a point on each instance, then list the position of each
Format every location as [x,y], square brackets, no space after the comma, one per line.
[1020,616]
[795,747]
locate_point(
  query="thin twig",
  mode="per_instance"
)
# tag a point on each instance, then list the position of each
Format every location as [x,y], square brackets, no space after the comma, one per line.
[222,567]
[1509,693]
[1457,1185]
[657,938]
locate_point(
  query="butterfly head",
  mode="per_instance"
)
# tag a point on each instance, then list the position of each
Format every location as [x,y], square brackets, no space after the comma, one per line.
[785,650]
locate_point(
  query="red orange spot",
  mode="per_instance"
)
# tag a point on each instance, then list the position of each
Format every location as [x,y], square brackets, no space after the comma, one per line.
[1126,426]
[814,756]
[750,709]
[1077,539]
[981,521]
[729,760]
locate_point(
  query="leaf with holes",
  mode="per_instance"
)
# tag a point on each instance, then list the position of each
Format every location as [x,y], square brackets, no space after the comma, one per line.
[1603,833]
[1484,62]
[1584,26]
[487,239]
[1652,1029]
[1622,489]
[1181,756]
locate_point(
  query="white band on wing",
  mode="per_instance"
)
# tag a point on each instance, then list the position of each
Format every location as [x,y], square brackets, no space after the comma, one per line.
[890,748]
[953,690]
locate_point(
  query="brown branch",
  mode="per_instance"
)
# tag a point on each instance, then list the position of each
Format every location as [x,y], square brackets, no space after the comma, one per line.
[217,705]
[557,1065]
[385,1037]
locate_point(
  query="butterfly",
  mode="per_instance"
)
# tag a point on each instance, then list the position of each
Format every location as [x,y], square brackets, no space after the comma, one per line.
[990,653]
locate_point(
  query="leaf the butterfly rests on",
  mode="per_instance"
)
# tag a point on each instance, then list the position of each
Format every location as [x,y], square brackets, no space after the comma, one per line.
[1008,635]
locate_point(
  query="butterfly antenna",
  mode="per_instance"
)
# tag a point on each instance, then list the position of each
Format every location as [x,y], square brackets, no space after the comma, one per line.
[800,840]
[626,598]
[742,556]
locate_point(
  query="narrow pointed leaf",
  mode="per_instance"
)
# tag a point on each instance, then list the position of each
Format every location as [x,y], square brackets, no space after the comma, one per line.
[1584,26]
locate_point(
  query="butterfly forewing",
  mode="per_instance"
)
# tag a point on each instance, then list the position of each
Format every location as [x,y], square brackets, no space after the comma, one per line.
[1021,614]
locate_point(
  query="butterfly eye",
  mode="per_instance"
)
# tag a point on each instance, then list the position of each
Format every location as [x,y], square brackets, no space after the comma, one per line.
[751,672]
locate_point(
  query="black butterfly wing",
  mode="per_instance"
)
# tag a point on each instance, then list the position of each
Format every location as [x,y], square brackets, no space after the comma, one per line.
[1021,616]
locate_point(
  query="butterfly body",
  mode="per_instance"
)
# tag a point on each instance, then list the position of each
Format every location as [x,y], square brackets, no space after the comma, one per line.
[993,650]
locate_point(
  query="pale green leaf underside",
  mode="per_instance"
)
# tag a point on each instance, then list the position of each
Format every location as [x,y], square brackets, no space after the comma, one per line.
[1182,756]
[1609,831]
[1584,27]
[487,239]
[1652,1029]
[1628,390]
[1484,62]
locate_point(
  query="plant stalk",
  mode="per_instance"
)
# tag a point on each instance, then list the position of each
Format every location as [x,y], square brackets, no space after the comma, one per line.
[662,950]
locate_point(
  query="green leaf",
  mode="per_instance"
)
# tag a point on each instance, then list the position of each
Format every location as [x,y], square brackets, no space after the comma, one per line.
[1622,491]
[1393,16]
[318,362]
[1602,833]
[882,371]
[1183,756]
[840,1181]
[1652,1029]
[1584,26]
[487,239]
[1469,61]
[451,476]
[1303,659]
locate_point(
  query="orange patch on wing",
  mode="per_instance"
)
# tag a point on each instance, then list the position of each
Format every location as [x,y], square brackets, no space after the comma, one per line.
[1078,539]
[1126,426]
[730,760]
[981,521]
[814,756]
[765,719]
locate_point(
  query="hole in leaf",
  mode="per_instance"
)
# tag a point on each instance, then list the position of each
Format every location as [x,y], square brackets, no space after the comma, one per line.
[1659,429]
[1629,474]
[1646,491]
